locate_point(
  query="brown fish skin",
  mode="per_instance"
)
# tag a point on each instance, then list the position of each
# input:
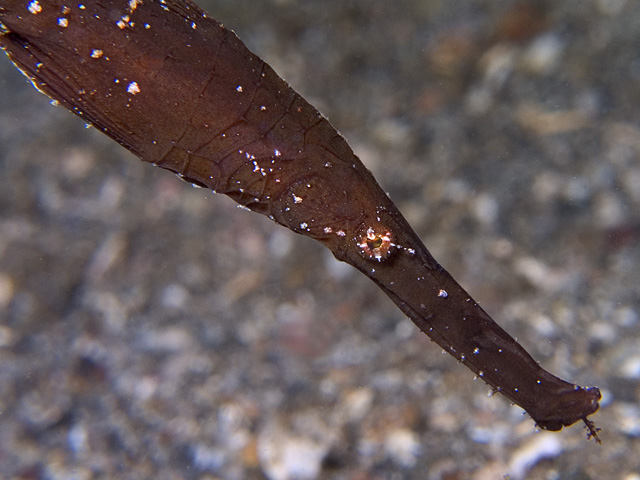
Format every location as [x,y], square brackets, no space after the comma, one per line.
[182,92]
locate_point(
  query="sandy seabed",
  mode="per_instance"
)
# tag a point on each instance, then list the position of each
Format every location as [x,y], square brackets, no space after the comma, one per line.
[149,329]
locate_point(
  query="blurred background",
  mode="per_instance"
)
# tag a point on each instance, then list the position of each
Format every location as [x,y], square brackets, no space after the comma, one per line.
[149,329]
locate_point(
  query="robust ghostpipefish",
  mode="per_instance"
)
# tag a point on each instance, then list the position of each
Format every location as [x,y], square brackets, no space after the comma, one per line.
[182,92]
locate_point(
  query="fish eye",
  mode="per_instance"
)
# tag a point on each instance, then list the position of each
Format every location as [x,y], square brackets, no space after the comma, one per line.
[375,243]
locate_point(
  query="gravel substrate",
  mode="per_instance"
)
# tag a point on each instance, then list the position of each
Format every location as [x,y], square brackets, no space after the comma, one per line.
[149,329]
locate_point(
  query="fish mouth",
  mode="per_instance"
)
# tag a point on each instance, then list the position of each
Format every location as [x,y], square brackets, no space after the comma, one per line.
[570,407]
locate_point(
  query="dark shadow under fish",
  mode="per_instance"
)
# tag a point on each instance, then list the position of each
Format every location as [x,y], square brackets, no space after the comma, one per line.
[180,91]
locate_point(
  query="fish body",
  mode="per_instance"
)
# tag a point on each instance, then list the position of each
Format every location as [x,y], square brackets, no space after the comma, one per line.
[181,91]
